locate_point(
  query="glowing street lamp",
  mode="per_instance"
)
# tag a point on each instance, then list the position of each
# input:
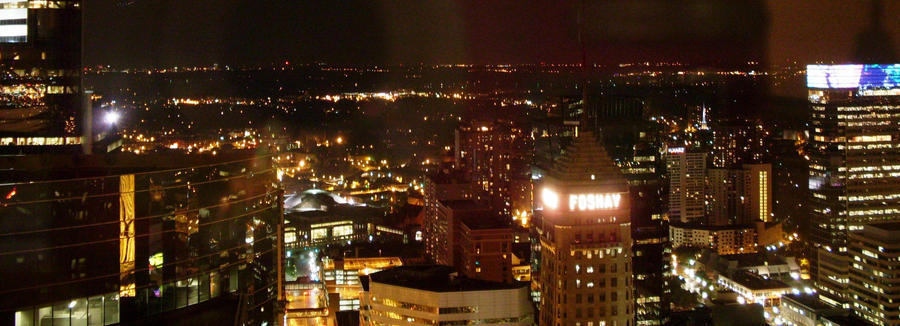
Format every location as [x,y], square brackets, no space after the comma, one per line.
[112,118]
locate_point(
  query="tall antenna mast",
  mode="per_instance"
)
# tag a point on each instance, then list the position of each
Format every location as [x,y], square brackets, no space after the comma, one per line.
[584,73]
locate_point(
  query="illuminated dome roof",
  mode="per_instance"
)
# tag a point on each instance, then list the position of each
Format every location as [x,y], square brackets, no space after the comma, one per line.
[311,200]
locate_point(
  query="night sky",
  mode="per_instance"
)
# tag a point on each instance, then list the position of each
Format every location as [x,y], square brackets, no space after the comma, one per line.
[141,33]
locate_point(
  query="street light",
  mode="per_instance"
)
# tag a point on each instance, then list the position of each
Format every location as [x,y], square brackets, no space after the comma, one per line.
[112,117]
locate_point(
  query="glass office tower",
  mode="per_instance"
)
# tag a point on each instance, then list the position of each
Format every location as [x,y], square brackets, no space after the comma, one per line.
[854,162]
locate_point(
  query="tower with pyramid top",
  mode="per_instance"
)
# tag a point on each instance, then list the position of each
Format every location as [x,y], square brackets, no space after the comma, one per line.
[583,224]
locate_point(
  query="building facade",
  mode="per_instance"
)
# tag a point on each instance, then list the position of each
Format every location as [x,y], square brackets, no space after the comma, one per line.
[443,185]
[486,250]
[497,155]
[129,236]
[739,196]
[874,253]
[724,240]
[583,222]
[738,142]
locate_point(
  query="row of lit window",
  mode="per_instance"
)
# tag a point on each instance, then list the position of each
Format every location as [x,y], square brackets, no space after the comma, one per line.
[425,308]
[867,108]
[410,319]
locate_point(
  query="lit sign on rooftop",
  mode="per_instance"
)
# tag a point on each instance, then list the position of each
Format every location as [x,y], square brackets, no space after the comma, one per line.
[853,76]
[590,202]
[582,202]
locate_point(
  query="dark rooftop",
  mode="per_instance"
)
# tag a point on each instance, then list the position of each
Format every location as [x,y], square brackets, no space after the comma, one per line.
[754,259]
[435,278]
[464,204]
[755,282]
[485,221]
[449,176]
[809,301]
[846,320]
[698,226]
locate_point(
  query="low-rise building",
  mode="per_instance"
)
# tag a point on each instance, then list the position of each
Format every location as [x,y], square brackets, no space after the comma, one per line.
[342,277]
[725,240]
[753,288]
[764,264]
[436,295]
[804,310]
[486,250]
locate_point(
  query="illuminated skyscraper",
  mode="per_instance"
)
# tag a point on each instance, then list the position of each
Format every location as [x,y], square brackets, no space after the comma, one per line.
[736,142]
[40,87]
[583,223]
[854,161]
[687,182]
[497,155]
[739,196]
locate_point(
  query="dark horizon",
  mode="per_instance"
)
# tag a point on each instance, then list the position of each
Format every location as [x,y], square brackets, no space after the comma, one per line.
[139,33]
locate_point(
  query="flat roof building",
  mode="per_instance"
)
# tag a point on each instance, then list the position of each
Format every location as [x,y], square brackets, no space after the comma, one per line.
[436,295]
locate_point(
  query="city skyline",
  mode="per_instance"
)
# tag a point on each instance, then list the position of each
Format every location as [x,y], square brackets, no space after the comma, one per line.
[576,163]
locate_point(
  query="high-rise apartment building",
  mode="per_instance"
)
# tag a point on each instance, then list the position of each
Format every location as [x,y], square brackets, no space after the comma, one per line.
[687,184]
[854,162]
[497,155]
[442,239]
[739,196]
[40,88]
[757,195]
[737,142]
[449,185]
[583,224]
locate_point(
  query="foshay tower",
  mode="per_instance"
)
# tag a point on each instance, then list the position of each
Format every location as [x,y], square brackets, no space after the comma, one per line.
[583,225]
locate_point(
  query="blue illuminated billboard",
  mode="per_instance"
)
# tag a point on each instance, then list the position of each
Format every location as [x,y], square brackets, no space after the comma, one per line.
[853,76]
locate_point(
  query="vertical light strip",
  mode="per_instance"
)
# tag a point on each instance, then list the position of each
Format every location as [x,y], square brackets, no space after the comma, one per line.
[126,236]
[763,196]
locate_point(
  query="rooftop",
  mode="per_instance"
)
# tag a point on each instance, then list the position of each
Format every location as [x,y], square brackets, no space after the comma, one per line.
[755,282]
[809,301]
[435,278]
[486,221]
[464,204]
[449,176]
[754,259]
